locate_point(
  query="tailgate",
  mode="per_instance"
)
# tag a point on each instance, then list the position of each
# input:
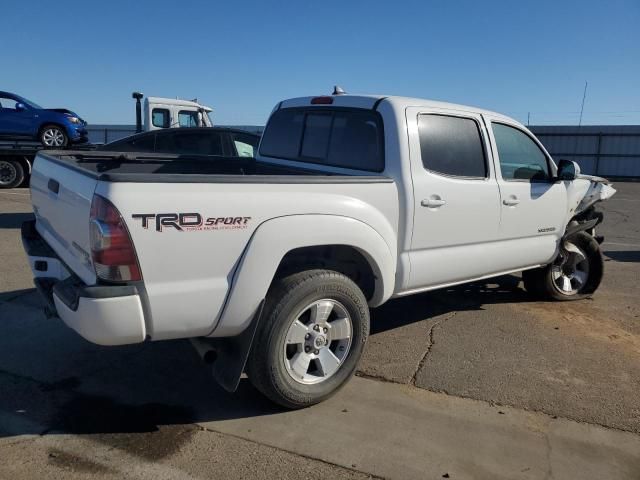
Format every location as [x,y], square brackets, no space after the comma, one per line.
[61,199]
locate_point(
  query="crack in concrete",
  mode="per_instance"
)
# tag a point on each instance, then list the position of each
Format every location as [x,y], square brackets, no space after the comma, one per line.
[552,416]
[430,346]
[377,378]
[302,455]
[549,475]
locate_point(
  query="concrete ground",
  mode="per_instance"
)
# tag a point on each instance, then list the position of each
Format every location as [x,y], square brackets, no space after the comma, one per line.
[476,381]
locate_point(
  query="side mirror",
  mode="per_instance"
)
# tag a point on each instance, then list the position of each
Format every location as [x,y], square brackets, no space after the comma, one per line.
[20,107]
[568,170]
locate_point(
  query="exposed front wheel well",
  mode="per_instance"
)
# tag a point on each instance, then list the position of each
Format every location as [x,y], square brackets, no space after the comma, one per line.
[50,124]
[344,259]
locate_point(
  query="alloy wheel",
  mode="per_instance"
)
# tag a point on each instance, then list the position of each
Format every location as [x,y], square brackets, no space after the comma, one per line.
[318,341]
[53,137]
[571,272]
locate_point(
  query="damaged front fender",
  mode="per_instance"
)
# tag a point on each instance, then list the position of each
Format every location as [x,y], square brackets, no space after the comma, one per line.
[585,191]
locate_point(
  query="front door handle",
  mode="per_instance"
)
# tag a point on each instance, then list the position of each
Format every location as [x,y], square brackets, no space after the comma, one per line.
[511,201]
[432,202]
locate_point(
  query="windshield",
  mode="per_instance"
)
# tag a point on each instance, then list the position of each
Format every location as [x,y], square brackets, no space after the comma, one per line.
[208,119]
[29,103]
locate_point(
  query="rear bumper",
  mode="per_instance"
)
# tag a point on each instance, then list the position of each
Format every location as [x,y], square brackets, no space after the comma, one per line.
[102,314]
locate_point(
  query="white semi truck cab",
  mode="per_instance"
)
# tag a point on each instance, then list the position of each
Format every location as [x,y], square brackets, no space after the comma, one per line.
[273,263]
[158,112]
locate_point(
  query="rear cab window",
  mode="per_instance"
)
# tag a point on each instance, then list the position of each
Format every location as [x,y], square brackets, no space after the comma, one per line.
[349,138]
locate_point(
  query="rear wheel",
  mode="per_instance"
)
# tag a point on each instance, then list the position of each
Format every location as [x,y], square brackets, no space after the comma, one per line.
[575,274]
[11,173]
[53,136]
[310,339]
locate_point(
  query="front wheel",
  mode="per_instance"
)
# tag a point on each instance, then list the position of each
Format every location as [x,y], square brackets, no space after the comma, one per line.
[575,274]
[53,136]
[310,339]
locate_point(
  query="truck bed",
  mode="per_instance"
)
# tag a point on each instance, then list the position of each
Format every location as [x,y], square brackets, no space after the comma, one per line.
[192,267]
[165,168]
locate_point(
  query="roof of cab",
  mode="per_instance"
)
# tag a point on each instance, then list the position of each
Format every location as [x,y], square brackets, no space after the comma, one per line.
[176,101]
[401,103]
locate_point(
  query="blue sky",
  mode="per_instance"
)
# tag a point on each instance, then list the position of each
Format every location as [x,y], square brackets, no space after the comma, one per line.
[242,57]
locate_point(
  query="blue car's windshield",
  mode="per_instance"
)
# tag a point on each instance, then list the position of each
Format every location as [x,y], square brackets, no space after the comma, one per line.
[31,104]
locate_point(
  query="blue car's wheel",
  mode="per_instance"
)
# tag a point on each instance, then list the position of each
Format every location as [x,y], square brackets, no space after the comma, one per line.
[53,136]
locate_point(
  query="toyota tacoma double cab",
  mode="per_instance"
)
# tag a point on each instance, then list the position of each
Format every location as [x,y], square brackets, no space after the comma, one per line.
[271,264]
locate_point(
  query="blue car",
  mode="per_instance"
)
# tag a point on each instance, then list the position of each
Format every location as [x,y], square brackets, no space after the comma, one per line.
[21,119]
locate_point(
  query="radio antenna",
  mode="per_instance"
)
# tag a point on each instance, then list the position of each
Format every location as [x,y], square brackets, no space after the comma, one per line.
[577,136]
[584,96]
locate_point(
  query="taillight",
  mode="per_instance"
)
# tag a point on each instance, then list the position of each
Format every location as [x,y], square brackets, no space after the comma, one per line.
[321,101]
[114,257]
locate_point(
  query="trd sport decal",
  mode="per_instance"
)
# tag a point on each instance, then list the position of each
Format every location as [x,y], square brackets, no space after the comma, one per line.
[190,221]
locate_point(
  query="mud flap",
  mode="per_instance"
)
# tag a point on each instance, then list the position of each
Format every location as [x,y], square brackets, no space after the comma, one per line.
[230,353]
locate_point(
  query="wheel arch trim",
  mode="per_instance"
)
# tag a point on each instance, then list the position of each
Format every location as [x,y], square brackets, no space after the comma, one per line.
[275,238]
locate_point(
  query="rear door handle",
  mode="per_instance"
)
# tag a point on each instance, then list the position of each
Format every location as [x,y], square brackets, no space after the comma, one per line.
[53,185]
[511,201]
[432,202]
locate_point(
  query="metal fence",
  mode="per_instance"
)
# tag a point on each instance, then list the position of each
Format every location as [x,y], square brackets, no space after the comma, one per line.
[607,151]
[100,134]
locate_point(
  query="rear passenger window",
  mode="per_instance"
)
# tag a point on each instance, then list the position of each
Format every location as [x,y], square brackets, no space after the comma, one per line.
[452,146]
[347,138]
[138,143]
[245,144]
[186,142]
[143,144]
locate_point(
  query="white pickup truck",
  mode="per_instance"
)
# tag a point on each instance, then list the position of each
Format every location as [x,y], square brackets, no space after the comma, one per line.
[271,265]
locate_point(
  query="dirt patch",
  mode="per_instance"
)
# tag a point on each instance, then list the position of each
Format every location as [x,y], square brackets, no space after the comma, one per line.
[585,319]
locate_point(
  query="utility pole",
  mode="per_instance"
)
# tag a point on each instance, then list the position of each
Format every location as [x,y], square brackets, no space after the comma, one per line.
[528,117]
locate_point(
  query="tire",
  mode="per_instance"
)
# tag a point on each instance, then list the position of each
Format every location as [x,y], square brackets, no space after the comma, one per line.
[53,136]
[11,173]
[294,305]
[574,275]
